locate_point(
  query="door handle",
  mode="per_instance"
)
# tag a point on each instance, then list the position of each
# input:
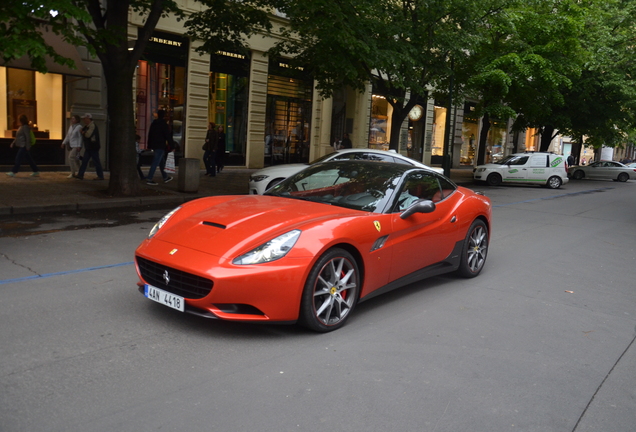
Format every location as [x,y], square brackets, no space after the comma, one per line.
[453,219]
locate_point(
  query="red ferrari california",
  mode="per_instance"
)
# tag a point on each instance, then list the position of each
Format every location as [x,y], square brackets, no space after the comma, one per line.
[315,245]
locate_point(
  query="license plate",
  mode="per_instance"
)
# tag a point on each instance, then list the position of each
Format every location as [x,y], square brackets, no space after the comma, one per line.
[164,297]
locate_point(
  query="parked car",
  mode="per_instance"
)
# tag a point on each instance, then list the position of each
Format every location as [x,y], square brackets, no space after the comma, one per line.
[611,170]
[631,165]
[539,168]
[314,245]
[265,178]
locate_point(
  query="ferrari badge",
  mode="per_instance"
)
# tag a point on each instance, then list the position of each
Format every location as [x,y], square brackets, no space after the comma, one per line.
[377,225]
[173,251]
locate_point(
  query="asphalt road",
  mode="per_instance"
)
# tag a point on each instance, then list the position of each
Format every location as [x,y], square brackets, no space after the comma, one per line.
[542,340]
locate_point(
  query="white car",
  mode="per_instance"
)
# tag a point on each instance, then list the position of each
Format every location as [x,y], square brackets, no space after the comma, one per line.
[540,168]
[611,170]
[268,177]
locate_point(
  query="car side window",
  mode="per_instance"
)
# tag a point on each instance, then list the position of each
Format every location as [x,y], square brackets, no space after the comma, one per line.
[539,161]
[400,161]
[519,161]
[419,186]
[373,157]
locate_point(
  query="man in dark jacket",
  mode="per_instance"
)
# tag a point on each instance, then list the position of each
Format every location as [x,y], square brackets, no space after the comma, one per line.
[159,137]
[91,148]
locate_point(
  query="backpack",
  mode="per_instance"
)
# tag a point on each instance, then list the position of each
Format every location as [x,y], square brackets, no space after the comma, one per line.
[32,137]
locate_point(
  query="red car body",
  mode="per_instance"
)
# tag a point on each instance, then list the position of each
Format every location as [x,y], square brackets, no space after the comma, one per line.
[203,238]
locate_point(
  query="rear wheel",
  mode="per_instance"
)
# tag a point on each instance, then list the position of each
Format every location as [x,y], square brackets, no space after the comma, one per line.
[578,175]
[623,177]
[331,291]
[493,179]
[475,250]
[554,182]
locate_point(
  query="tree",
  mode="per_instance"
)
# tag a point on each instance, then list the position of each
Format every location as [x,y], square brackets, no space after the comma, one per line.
[403,48]
[19,25]
[102,27]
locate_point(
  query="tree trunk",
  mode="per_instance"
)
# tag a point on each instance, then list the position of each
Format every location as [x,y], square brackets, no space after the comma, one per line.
[124,180]
[483,139]
[397,118]
[546,138]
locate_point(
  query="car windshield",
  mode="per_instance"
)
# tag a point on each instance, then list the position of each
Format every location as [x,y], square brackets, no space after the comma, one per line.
[513,160]
[358,185]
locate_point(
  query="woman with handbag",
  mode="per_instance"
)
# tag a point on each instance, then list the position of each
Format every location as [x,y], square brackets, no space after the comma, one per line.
[23,143]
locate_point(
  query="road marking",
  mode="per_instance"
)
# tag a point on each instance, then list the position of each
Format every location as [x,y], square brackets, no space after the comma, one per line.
[47,275]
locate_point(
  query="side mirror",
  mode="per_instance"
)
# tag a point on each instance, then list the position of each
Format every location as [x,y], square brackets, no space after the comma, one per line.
[419,206]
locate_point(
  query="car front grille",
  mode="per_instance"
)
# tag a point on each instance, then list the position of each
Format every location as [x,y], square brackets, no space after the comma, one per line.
[174,281]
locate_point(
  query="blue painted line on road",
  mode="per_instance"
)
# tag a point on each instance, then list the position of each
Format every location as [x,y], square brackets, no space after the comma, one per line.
[47,275]
[555,196]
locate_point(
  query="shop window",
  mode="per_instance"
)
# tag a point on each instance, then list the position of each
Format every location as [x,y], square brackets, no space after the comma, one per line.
[36,95]
[227,107]
[288,119]
[379,132]
[160,87]
[439,127]
[470,132]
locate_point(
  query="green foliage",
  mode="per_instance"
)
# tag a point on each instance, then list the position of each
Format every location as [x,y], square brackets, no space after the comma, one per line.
[227,24]
[21,20]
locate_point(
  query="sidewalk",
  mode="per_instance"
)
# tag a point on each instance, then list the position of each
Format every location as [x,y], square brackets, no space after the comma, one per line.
[54,192]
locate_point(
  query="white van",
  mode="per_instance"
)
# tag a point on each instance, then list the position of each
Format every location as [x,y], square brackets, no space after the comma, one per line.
[541,168]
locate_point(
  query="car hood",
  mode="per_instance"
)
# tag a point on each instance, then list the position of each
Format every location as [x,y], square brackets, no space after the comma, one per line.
[242,223]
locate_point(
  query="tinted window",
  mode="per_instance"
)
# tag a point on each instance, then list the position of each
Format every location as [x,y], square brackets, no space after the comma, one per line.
[417,186]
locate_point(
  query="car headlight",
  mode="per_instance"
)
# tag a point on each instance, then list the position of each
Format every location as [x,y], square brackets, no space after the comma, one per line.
[161,222]
[258,178]
[481,169]
[270,251]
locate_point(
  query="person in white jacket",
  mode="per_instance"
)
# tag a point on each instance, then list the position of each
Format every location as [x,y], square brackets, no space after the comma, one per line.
[73,144]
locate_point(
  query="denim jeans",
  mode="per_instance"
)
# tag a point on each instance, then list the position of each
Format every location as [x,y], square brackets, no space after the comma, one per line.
[23,153]
[88,155]
[157,161]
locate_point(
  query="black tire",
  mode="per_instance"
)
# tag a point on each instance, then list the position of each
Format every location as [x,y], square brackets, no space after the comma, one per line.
[578,175]
[475,250]
[274,183]
[331,291]
[494,179]
[623,177]
[554,182]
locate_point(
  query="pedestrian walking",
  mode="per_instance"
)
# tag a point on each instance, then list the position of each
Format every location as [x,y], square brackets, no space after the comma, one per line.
[570,160]
[159,139]
[209,155]
[23,141]
[90,134]
[73,144]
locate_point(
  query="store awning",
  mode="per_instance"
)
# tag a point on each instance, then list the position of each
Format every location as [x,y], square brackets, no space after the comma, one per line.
[62,48]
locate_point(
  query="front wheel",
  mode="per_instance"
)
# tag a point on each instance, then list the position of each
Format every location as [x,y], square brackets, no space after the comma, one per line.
[578,175]
[623,177]
[331,291]
[494,179]
[554,182]
[475,250]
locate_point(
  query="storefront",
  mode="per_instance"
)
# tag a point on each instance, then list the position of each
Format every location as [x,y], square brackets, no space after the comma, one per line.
[379,126]
[160,85]
[470,134]
[227,102]
[42,98]
[288,114]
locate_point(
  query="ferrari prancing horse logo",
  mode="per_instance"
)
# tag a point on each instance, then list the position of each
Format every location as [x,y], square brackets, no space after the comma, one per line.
[377,225]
